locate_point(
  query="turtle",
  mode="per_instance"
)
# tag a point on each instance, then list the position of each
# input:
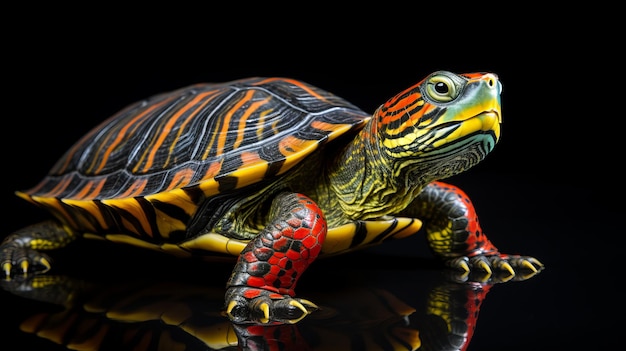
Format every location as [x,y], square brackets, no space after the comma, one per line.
[272,173]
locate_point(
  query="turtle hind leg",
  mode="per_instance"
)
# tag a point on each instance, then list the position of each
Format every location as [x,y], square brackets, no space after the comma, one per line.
[455,235]
[261,286]
[20,251]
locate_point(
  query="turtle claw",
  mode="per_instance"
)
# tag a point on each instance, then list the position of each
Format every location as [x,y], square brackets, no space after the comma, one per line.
[253,305]
[6,268]
[529,265]
[497,268]
[307,305]
[459,263]
[24,265]
[264,309]
[481,263]
[501,265]
[17,260]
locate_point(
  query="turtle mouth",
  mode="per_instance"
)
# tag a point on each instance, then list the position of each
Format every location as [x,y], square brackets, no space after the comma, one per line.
[491,120]
[490,114]
[485,117]
[488,119]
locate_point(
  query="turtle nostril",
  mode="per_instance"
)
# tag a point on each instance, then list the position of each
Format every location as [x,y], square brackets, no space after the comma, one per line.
[491,80]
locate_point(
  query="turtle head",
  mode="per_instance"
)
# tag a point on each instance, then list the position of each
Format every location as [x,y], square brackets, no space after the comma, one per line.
[442,125]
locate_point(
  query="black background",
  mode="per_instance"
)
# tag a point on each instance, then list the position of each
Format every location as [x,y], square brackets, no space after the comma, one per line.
[552,188]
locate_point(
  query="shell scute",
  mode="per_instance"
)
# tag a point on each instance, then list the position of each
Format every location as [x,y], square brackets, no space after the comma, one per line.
[238,132]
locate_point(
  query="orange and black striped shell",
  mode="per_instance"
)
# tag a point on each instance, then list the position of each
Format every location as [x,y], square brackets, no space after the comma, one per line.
[212,137]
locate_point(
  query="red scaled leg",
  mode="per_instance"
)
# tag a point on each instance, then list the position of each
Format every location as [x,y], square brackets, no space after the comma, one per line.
[454,233]
[261,287]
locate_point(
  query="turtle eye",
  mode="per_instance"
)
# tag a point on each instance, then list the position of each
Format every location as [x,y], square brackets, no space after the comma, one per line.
[441,88]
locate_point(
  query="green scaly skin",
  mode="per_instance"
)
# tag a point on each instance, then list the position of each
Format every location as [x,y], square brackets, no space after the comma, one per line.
[378,175]
[364,182]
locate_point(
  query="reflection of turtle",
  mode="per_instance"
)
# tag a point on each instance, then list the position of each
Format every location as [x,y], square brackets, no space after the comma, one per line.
[159,314]
[274,171]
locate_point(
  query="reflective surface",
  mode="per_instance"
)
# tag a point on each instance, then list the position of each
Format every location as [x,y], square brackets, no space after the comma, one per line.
[370,306]
[378,297]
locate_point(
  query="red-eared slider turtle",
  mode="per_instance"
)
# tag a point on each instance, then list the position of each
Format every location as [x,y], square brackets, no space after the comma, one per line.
[275,172]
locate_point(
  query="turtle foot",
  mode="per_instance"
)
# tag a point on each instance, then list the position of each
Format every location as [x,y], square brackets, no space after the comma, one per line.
[495,268]
[16,260]
[254,305]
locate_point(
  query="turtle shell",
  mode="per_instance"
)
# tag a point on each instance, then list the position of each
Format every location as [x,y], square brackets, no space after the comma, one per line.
[147,168]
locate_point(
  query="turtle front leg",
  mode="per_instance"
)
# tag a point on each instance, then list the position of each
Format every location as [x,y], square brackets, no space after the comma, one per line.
[455,235]
[261,286]
[19,252]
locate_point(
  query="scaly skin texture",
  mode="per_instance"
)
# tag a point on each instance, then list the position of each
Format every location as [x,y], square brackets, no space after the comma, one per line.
[411,142]
[263,281]
[20,250]
[443,301]
[297,163]
[452,223]
[454,232]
